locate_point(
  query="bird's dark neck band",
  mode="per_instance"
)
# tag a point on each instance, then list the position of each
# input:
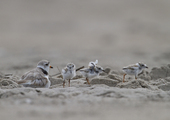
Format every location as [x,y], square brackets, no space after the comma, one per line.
[44,71]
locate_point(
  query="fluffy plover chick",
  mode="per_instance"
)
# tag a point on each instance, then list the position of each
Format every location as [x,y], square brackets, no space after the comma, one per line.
[37,77]
[68,73]
[91,72]
[134,69]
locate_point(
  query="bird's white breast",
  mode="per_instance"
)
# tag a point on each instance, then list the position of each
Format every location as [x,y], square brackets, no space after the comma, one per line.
[69,75]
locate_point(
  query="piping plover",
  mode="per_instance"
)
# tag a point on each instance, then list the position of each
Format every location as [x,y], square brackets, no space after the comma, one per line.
[37,77]
[134,69]
[68,73]
[92,64]
[91,72]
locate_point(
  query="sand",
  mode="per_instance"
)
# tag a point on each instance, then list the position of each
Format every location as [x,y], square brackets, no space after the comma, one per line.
[117,33]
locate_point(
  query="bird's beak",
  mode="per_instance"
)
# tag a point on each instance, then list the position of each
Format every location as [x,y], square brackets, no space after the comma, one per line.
[104,71]
[146,66]
[51,67]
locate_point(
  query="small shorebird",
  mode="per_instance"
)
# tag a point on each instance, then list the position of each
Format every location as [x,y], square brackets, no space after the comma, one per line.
[37,77]
[91,72]
[68,73]
[134,69]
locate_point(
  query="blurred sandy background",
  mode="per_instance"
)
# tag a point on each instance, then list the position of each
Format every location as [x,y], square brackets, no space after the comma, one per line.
[116,32]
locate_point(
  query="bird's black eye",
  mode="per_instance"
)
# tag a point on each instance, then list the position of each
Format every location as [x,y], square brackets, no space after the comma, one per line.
[46,64]
[142,65]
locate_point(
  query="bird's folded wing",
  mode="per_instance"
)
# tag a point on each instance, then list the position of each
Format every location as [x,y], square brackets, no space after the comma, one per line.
[131,67]
[84,70]
[64,71]
[33,78]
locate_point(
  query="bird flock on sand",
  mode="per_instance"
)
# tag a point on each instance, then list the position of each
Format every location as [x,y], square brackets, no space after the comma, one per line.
[39,76]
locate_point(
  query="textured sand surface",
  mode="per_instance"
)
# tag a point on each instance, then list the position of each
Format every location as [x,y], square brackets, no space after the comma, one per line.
[117,33]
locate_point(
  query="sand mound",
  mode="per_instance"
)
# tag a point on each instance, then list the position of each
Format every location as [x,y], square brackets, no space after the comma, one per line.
[115,77]
[164,87]
[8,84]
[56,81]
[145,75]
[161,72]
[106,81]
[134,84]
[7,81]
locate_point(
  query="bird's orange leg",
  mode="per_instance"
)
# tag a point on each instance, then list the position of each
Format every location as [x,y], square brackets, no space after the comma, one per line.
[136,76]
[124,77]
[63,83]
[88,81]
[69,83]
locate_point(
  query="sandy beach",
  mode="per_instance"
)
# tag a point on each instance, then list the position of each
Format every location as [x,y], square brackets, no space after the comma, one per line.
[117,33]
